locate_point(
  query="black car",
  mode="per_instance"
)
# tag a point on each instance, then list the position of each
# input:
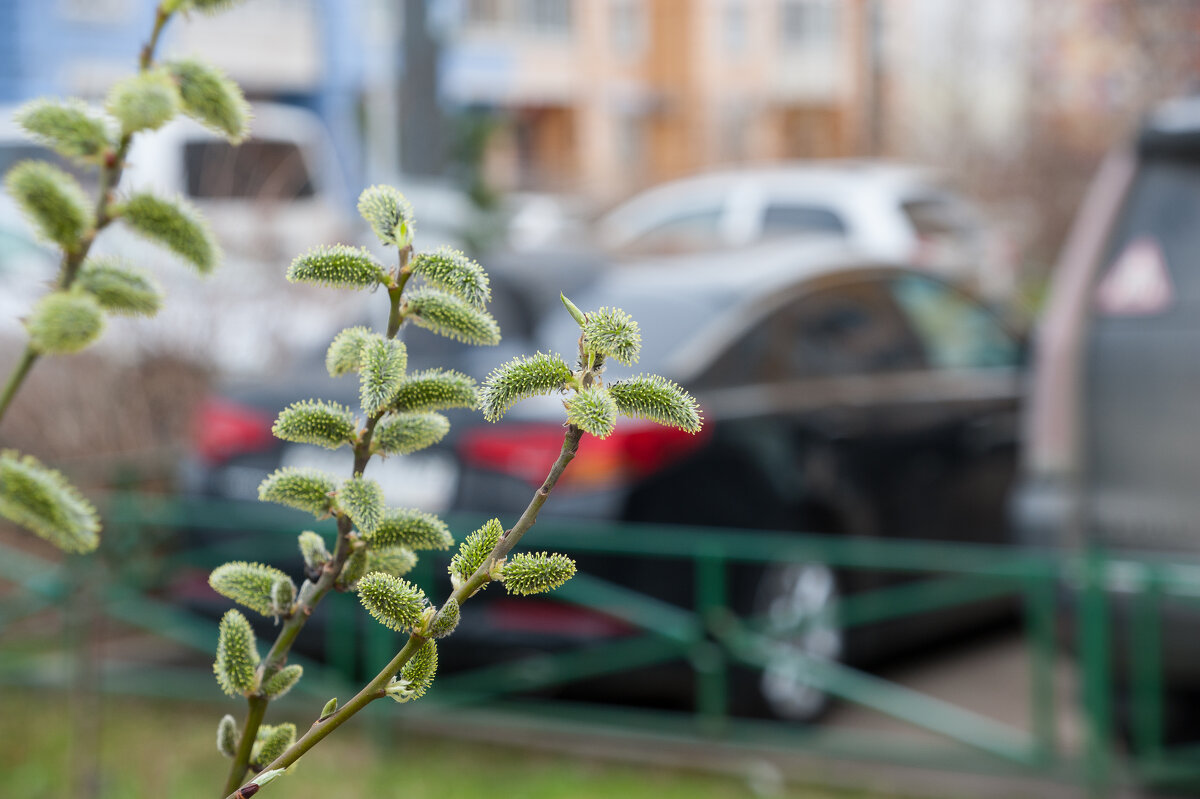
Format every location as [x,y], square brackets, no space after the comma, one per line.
[840,396]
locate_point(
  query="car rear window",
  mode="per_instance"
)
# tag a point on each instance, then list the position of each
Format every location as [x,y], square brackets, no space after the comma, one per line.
[254,170]
[781,220]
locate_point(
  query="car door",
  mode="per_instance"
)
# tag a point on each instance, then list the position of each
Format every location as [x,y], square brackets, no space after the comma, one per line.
[871,403]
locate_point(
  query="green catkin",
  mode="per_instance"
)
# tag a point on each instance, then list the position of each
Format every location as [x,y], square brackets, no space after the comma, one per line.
[389,214]
[658,400]
[536,573]
[251,585]
[521,378]
[593,411]
[237,655]
[394,602]
[63,322]
[304,489]
[452,271]
[325,424]
[52,199]
[43,502]
[337,266]
[120,289]
[174,225]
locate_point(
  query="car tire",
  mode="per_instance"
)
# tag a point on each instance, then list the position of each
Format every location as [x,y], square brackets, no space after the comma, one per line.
[787,596]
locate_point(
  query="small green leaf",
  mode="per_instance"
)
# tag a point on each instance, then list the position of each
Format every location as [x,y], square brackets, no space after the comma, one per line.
[404,433]
[337,266]
[345,353]
[575,313]
[435,390]
[53,201]
[657,399]
[211,98]
[283,681]
[420,670]
[446,619]
[473,551]
[272,742]
[530,573]
[389,215]
[414,529]
[326,424]
[65,126]
[447,315]
[593,411]
[43,502]
[250,585]
[227,736]
[612,332]
[329,709]
[313,550]
[174,225]
[452,271]
[237,655]
[394,602]
[362,501]
[396,561]
[118,288]
[64,322]
[145,101]
[521,378]
[304,489]
[381,369]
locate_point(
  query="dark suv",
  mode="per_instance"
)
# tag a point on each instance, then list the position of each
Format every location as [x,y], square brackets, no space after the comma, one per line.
[1112,456]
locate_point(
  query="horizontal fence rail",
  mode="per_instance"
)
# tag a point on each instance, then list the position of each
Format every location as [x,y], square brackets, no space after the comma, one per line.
[706,631]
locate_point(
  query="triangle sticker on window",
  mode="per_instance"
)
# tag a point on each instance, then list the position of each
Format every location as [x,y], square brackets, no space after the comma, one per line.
[1138,283]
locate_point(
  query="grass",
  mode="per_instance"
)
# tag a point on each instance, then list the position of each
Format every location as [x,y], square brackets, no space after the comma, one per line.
[159,749]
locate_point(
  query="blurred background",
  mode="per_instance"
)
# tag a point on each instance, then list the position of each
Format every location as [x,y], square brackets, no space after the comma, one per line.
[927,265]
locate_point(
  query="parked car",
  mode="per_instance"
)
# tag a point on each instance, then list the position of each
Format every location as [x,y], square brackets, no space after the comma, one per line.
[842,395]
[1111,435]
[886,211]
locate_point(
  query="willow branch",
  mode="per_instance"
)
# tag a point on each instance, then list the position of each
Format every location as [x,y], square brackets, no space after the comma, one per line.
[311,594]
[377,687]
[110,176]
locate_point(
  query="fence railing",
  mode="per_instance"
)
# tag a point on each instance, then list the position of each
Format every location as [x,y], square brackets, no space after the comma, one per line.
[692,618]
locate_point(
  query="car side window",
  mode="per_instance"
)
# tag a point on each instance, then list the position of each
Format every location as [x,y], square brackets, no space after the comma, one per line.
[689,231]
[955,331]
[258,169]
[781,220]
[851,329]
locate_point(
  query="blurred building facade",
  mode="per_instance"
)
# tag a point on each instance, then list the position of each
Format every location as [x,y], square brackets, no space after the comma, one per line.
[606,97]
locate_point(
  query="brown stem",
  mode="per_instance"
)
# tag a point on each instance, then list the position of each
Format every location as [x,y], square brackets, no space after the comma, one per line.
[375,689]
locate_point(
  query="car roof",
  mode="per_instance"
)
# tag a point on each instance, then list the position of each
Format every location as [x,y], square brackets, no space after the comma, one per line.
[685,307]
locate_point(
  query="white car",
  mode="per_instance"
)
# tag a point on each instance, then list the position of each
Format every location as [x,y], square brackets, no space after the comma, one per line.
[887,211]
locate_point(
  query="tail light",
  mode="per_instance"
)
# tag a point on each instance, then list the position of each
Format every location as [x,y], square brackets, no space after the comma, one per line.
[222,429]
[526,451]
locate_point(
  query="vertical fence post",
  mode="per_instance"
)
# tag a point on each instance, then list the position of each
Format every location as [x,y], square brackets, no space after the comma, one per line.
[708,659]
[1146,668]
[1040,585]
[1095,649]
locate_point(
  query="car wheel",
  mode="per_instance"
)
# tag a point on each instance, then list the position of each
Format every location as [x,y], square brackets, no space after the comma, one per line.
[798,605]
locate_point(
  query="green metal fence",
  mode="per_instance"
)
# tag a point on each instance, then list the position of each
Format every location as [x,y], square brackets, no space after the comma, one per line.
[712,638]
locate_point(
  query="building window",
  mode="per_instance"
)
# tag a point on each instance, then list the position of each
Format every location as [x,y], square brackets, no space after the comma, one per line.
[627,21]
[808,23]
[547,16]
